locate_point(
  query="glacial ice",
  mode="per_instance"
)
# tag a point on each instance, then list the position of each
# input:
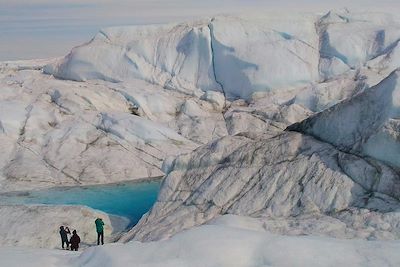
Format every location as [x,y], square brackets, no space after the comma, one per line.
[56,132]
[366,124]
[207,103]
[285,176]
[236,55]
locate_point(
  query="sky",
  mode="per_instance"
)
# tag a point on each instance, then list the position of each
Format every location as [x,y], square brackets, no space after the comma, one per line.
[32,29]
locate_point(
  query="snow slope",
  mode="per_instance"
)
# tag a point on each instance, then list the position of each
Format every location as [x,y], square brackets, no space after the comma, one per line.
[220,245]
[37,226]
[14,256]
[224,246]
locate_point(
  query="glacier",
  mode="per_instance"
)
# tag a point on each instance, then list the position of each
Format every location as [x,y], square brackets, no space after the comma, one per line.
[266,127]
[236,55]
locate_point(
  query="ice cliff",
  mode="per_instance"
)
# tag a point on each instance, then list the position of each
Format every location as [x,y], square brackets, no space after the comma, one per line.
[237,55]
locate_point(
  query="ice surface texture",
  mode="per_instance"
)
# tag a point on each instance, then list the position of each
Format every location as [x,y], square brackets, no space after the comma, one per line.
[236,55]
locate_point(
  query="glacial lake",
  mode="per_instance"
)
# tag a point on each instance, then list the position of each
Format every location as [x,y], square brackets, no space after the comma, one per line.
[129,199]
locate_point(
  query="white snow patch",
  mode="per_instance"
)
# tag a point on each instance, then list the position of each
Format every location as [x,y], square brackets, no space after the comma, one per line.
[220,245]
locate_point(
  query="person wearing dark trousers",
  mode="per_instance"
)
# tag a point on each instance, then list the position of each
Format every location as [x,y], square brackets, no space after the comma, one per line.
[68,233]
[100,230]
[74,241]
[64,237]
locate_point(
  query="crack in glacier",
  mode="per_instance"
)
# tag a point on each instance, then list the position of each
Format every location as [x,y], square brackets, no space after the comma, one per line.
[212,37]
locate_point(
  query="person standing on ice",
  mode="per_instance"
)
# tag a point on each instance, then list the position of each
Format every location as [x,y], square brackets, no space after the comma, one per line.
[100,230]
[75,240]
[68,234]
[64,237]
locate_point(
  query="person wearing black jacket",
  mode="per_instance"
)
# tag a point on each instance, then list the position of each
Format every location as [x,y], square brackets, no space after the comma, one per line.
[74,241]
[64,237]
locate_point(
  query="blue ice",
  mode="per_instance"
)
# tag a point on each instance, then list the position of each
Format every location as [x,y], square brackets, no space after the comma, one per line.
[130,199]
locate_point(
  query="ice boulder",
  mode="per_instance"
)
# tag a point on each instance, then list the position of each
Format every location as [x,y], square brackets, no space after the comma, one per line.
[217,99]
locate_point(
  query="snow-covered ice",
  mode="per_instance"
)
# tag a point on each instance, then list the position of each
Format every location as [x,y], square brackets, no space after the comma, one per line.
[37,226]
[238,245]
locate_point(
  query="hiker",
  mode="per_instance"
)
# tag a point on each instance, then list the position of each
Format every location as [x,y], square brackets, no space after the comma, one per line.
[64,237]
[68,233]
[74,241]
[100,230]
